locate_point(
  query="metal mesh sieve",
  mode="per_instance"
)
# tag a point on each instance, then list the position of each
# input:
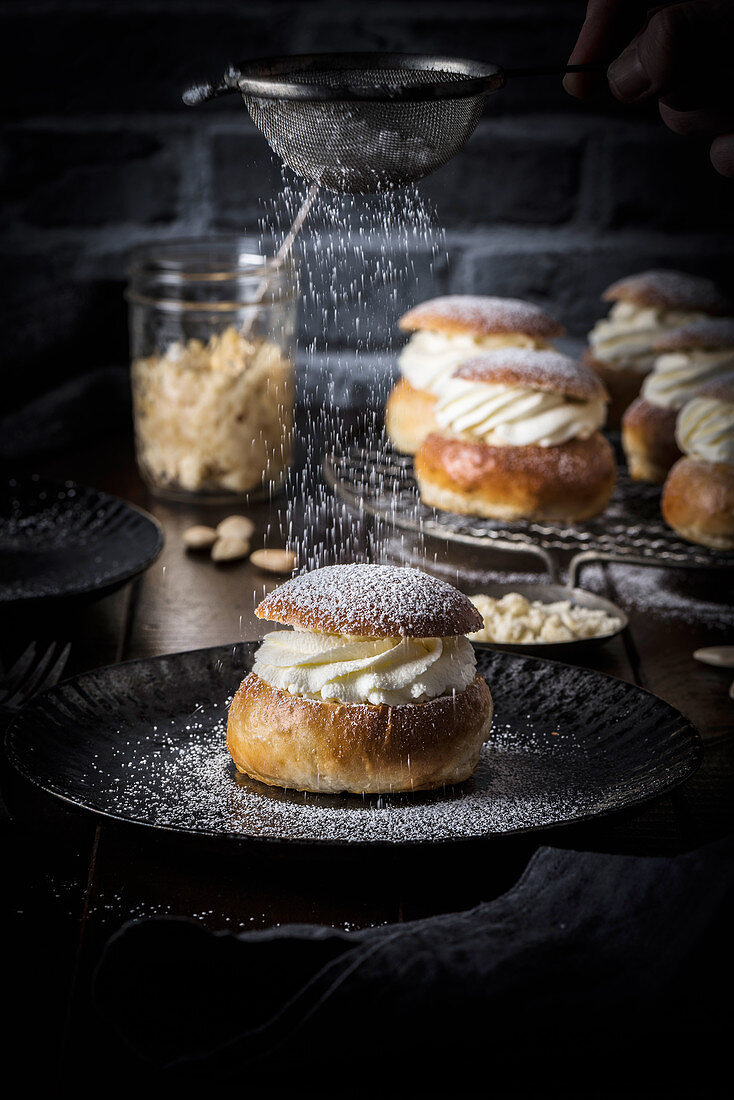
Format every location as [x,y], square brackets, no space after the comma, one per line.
[362,122]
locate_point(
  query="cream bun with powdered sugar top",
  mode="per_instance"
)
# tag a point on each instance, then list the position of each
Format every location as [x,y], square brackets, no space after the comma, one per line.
[622,346]
[518,438]
[445,332]
[698,495]
[688,358]
[374,689]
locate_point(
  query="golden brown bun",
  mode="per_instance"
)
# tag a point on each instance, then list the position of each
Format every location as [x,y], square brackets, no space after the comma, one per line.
[532,369]
[287,741]
[711,334]
[698,502]
[674,290]
[569,482]
[481,316]
[622,383]
[648,439]
[409,416]
[374,601]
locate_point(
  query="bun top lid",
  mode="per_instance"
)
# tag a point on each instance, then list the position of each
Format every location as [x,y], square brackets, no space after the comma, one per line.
[711,334]
[720,389]
[673,290]
[533,369]
[481,316]
[375,601]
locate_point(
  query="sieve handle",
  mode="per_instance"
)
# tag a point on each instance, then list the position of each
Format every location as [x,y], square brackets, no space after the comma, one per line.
[208,89]
[554,70]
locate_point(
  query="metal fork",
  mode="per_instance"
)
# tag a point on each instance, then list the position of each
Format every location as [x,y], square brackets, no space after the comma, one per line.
[31,674]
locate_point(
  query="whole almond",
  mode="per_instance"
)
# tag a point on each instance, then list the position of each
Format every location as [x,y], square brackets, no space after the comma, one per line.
[274,561]
[199,537]
[230,549]
[238,527]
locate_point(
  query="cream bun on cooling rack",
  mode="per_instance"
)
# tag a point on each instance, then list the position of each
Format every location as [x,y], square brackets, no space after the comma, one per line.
[646,306]
[687,358]
[519,438]
[698,495]
[373,690]
[445,332]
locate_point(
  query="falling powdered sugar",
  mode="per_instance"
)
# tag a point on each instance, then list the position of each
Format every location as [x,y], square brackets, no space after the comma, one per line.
[195,785]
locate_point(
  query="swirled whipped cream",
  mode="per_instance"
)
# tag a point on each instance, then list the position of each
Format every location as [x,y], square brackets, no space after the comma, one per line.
[705,429]
[350,669]
[504,416]
[677,375]
[430,358]
[626,336]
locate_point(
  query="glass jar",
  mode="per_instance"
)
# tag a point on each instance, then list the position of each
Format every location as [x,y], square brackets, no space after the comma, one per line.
[212,334]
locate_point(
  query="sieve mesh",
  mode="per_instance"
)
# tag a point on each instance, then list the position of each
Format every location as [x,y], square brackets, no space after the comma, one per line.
[362,122]
[364,147]
[371,78]
[348,126]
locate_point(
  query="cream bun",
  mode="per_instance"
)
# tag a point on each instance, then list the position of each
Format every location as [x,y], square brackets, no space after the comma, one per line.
[518,438]
[373,690]
[698,495]
[687,358]
[646,306]
[445,332]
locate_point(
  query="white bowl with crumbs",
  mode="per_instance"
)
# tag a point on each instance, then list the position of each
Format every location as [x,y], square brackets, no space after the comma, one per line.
[542,618]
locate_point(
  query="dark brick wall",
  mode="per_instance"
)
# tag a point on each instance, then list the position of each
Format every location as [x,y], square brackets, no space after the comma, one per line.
[551,199]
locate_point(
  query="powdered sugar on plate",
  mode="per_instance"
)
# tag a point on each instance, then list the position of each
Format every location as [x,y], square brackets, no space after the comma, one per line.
[145,742]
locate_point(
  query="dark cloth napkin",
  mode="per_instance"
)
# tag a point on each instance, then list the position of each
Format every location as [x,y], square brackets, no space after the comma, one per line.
[585,947]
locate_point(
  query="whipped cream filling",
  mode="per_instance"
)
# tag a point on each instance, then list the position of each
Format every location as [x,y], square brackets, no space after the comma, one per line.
[705,429]
[626,336]
[430,358]
[350,669]
[677,375]
[514,417]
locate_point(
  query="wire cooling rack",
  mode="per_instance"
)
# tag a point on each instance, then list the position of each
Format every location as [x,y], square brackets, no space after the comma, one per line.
[381,483]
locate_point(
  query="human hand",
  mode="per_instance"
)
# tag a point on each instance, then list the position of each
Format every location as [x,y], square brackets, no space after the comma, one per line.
[679,54]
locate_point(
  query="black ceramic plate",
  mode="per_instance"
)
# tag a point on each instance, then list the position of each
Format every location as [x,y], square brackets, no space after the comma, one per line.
[144,742]
[63,541]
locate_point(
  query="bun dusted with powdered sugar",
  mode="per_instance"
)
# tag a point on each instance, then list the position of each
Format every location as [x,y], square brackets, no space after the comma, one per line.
[624,345]
[689,359]
[445,332]
[376,601]
[669,290]
[711,334]
[482,316]
[545,371]
[698,495]
[374,689]
[518,438]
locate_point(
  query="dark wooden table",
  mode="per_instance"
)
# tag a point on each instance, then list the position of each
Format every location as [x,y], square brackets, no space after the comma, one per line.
[72,882]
